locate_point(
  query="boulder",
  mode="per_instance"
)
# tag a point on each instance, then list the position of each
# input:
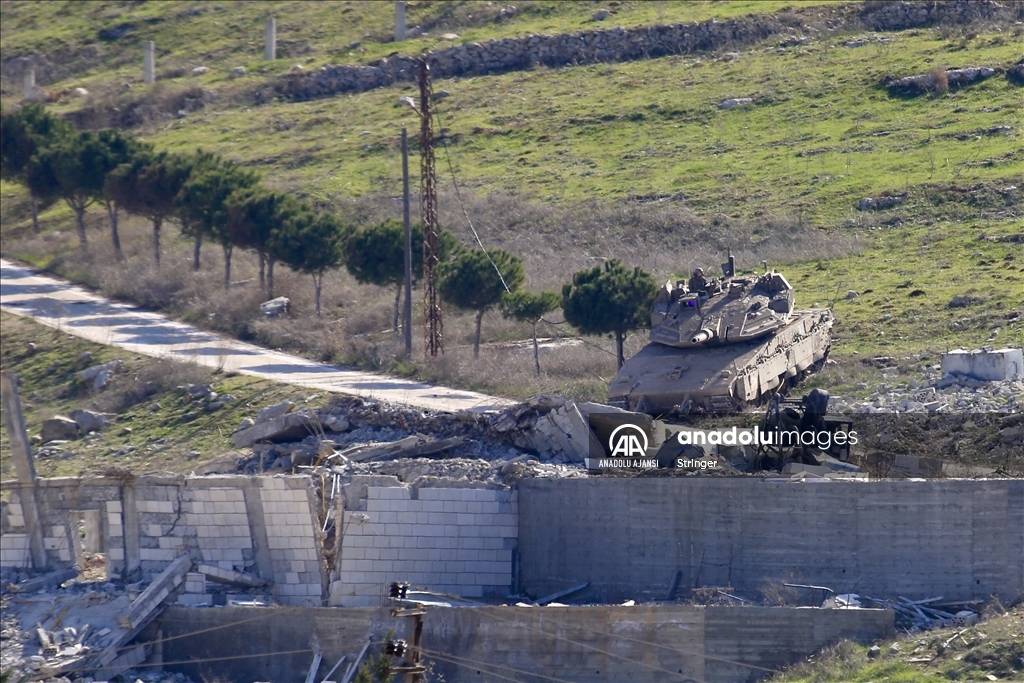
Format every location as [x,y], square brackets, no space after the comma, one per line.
[58,428]
[83,361]
[88,421]
[734,102]
[97,376]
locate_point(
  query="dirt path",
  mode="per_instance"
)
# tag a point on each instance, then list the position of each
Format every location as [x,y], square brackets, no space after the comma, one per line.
[71,309]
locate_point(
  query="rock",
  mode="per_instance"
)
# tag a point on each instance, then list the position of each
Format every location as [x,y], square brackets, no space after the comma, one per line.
[959,301]
[450,36]
[336,423]
[874,651]
[855,43]
[153,407]
[600,15]
[274,411]
[88,421]
[197,391]
[58,428]
[187,417]
[245,424]
[83,361]
[852,294]
[508,11]
[200,70]
[297,69]
[275,308]
[237,72]
[80,92]
[734,102]
[880,203]
[30,348]
[98,375]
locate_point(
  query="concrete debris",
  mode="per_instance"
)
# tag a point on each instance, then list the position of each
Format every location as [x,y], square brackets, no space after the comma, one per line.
[410,447]
[987,364]
[142,608]
[922,615]
[274,411]
[58,428]
[50,580]
[229,576]
[562,594]
[98,376]
[286,427]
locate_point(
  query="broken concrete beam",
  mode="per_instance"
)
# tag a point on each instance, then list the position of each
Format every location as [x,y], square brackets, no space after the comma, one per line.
[410,447]
[128,658]
[229,576]
[45,581]
[165,582]
[562,593]
[292,426]
[274,411]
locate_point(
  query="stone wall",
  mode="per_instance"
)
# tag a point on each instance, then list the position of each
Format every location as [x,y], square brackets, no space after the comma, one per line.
[585,644]
[620,44]
[628,537]
[457,541]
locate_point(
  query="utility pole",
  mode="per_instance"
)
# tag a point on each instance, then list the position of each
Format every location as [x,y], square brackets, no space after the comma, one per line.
[433,321]
[149,62]
[24,467]
[407,307]
[413,669]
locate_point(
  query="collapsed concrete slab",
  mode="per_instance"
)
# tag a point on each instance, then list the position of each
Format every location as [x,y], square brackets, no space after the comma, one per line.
[291,426]
[141,609]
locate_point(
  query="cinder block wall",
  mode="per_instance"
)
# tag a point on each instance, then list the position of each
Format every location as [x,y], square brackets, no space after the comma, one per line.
[920,539]
[265,526]
[457,541]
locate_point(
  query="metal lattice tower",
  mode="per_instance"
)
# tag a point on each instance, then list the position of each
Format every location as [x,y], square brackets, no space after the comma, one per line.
[434,324]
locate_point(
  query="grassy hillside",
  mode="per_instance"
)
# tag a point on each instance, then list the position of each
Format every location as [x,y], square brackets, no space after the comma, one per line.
[991,651]
[631,160]
[156,429]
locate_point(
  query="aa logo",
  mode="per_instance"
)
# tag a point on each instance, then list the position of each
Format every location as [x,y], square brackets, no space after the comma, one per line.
[628,441]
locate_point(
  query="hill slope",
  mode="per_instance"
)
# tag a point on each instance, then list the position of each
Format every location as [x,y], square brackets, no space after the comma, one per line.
[632,160]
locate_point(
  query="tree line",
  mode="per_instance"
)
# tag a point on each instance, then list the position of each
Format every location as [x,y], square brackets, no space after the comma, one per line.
[214,200]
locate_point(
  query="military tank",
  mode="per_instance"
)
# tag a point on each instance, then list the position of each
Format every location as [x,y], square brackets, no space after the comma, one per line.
[722,345]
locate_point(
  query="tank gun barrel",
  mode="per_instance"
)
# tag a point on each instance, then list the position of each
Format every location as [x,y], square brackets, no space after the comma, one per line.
[702,336]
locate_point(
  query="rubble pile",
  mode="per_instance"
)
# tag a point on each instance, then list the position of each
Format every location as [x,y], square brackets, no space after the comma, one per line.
[950,394]
[61,628]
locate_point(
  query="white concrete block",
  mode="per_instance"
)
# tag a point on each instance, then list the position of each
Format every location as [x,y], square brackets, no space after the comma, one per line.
[114,506]
[115,554]
[988,365]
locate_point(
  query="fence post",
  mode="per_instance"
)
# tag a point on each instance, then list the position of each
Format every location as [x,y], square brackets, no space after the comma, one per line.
[270,40]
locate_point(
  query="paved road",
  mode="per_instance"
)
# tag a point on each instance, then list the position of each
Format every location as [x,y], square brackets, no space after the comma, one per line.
[70,308]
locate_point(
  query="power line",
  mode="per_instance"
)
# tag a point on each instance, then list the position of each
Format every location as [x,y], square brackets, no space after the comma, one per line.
[458,195]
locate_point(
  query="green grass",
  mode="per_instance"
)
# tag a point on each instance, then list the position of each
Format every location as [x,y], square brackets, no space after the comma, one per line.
[223,36]
[159,439]
[995,647]
[820,136]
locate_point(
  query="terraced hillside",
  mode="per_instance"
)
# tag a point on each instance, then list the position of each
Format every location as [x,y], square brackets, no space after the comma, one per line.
[630,159]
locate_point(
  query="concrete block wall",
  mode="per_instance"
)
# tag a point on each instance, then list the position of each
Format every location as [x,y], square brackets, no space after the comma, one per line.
[457,541]
[919,539]
[265,526]
[291,538]
[221,524]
